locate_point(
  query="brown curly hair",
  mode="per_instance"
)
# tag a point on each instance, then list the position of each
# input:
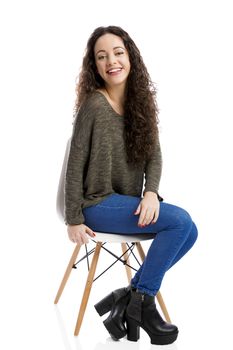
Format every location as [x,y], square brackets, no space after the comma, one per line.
[140,107]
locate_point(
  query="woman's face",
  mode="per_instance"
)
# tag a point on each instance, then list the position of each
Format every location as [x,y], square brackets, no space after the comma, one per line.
[112,60]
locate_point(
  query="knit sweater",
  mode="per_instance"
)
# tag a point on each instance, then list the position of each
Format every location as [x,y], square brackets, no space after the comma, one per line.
[97,164]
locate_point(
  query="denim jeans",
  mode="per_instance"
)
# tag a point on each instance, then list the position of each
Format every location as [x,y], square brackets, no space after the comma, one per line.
[175,235]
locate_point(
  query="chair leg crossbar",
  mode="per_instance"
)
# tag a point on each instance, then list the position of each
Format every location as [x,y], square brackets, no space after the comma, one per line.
[118,258]
[127,251]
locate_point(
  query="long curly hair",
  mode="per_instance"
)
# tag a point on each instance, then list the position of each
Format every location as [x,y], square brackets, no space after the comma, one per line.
[140,106]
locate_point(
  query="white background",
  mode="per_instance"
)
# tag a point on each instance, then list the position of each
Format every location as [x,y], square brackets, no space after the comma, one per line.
[187,47]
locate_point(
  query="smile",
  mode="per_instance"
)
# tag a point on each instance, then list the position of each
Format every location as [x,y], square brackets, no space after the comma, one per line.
[114,71]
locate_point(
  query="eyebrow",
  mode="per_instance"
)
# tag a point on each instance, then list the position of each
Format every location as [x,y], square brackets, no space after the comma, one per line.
[116,47]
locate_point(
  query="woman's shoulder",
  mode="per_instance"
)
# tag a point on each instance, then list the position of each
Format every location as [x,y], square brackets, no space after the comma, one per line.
[92,108]
[94,101]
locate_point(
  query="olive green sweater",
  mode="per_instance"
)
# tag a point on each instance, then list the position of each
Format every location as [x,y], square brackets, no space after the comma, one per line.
[97,165]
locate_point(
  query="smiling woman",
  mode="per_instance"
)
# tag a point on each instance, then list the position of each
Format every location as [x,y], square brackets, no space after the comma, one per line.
[114,147]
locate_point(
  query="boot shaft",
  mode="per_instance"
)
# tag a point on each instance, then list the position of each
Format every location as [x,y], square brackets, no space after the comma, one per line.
[142,312]
[142,308]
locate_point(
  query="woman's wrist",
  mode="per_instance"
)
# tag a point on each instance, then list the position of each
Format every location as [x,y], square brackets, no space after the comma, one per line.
[151,193]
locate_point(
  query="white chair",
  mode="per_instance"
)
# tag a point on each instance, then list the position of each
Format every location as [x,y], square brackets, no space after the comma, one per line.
[128,242]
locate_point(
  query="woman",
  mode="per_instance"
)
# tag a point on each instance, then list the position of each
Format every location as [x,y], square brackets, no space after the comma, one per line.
[114,148]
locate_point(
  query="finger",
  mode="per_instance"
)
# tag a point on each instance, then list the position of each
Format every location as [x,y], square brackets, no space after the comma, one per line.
[155,217]
[90,232]
[85,239]
[148,217]
[154,220]
[141,217]
[78,238]
[137,211]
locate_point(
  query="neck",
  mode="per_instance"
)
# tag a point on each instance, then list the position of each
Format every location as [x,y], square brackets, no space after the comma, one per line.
[116,94]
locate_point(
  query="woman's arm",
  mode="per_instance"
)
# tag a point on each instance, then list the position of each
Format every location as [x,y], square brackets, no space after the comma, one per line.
[78,157]
[153,171]
[149,205]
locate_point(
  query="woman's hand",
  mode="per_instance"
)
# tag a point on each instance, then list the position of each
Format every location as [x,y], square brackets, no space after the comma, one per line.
[78,233]
[148,209]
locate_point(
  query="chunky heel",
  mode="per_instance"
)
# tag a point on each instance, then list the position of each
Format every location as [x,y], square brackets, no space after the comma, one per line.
[104,305]
[133,330]
[116,330]
[115,302]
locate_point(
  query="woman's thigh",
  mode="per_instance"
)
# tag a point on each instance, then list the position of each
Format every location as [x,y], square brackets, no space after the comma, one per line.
[115,214]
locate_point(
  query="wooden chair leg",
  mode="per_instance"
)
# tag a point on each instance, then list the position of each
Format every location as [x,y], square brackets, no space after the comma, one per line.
[126,256]
[87,289]
[140,251]
[158,295]
[67,272]
[163,307]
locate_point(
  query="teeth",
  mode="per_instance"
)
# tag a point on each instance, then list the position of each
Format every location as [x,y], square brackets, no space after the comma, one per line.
[114,70]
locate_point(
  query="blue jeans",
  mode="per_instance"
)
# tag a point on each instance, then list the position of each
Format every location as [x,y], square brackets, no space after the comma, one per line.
[175,235]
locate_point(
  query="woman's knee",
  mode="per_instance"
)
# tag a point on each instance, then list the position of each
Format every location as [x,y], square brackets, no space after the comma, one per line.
[193,234]
[187,225]
[181,218]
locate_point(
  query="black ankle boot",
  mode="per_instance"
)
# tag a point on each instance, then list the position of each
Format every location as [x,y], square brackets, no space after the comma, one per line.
[141,312]
[116,302]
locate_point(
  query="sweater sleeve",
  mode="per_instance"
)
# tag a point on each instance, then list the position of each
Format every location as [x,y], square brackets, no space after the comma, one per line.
[78,157]
[153,170]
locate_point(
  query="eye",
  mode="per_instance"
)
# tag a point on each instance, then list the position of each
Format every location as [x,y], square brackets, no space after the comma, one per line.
[118,53]
[101,57]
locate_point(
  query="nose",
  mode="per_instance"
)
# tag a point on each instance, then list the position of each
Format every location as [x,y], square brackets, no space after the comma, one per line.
[111,59]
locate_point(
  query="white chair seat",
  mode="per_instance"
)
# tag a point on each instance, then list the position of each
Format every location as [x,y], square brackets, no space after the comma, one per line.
[118,238]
